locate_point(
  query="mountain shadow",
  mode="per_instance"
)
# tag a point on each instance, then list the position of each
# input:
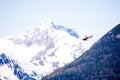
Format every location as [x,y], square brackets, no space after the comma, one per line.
[100,62]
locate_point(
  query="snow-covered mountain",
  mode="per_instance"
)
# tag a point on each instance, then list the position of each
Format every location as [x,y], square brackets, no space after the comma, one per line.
[45,48]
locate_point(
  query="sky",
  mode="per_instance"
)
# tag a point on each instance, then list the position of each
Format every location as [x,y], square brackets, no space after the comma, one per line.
[87,17]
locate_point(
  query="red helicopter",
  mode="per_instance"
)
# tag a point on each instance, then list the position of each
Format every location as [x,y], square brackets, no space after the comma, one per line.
[87,37]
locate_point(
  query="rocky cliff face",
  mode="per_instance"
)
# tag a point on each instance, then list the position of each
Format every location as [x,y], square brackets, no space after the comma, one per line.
[11,70]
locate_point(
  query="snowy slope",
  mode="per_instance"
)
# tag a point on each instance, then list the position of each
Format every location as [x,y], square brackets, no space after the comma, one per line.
[11,70]
[6,73]
[46,47]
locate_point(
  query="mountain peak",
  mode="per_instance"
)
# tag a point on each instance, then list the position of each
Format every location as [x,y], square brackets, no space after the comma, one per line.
[48,25]
[47,22]
[116,30]
[111,35]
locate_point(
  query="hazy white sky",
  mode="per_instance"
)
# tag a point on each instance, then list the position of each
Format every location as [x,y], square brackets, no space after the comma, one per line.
[86,16]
